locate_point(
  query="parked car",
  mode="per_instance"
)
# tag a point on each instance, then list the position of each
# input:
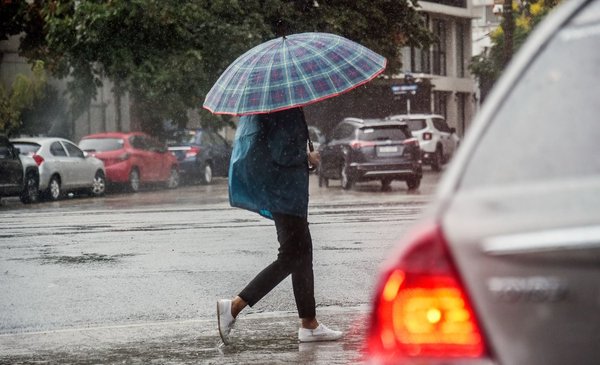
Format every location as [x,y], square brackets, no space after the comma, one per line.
[63,167]
[19,174]
[505,267]
[201,154]
[133,159]
[371,149]
[437,140]
[317,137]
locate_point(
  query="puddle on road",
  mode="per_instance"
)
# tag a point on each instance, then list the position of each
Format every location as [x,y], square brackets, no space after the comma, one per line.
[84,258]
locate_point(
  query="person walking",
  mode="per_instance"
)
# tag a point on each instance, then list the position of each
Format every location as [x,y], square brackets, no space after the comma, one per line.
[268,175]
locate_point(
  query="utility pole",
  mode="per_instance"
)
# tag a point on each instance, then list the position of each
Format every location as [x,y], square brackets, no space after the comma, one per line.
[508,28]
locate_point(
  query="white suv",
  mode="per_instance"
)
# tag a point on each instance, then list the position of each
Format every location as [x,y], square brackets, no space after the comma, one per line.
[437,140]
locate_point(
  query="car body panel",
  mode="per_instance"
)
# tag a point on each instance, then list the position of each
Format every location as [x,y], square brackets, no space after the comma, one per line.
[75,169]
[14,168]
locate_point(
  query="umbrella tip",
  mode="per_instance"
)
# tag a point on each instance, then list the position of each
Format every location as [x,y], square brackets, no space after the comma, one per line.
[281,28]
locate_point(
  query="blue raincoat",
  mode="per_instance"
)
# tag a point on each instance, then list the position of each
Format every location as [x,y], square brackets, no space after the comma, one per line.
[268,172]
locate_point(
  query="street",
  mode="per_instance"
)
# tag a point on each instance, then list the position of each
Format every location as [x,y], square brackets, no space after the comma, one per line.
[133,278]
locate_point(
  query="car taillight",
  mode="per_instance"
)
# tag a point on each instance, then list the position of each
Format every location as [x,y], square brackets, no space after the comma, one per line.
[38,159]
[411,142]
[192,152]
[356,145]
[427,136]
[421,308]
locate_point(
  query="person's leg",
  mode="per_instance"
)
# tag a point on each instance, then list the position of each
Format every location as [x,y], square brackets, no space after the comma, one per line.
[303,277]
[290,234]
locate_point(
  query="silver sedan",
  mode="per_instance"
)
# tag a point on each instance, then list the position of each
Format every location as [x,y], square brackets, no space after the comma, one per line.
[505,267]
[63,166]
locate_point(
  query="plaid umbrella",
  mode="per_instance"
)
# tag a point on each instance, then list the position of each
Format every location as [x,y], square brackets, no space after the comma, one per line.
[292,71]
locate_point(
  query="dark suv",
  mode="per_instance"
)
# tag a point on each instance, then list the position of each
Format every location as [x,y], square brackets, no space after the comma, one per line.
[201,153]
[371,149]
[19,174]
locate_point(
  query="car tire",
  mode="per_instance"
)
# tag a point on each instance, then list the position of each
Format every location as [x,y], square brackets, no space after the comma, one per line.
[173,181]
[386,184]
[413,183]
[31,191]
[207,174]
[54,191]
[436,163]
[345,178]
[98,185]
[134,181]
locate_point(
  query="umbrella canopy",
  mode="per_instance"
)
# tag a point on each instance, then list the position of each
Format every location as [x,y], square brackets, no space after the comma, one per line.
[292,71]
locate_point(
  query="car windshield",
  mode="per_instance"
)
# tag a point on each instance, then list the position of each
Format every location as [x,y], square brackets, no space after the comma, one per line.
[416,124]
[557,141]
[27,148]
[382,133]
[182,137]
[101,144]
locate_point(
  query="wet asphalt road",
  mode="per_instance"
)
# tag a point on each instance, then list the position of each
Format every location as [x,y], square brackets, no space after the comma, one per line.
[133,278]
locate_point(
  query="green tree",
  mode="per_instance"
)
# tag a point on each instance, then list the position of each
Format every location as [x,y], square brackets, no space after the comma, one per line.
[22,94]
[168,53]
[488,66]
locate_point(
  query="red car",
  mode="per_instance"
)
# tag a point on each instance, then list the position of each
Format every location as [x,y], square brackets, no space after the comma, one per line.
[133,158]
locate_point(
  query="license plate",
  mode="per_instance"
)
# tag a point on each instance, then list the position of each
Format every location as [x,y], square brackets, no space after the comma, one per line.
[388,149]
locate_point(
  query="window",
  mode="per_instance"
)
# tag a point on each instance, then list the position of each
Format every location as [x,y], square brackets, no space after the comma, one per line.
[395,133]
[439,100]
[461,39]
[73,150]
[556,90]
[439,48]
[138,142]
[416,124]
[101,144]
[441,125]
[343,131]
[56,149]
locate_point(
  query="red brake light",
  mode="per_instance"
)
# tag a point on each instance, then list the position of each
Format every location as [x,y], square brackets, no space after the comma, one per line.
[38,159]
[421,308]
[427,136]
[356,145]
[411,142]
[192,152]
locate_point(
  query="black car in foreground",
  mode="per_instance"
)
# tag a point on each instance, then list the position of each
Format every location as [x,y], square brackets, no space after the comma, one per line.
[371,149]
[201,153]
[19,174]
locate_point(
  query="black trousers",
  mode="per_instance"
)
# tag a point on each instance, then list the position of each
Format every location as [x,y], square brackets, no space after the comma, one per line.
[295,258]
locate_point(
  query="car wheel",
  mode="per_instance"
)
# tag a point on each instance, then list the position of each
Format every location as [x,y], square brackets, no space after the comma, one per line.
[345,177]
[54,191]
[413,183]
[173,181]
[436,164]
[386,184]
[207,176]
[99,185]
[31,192]
[134,181]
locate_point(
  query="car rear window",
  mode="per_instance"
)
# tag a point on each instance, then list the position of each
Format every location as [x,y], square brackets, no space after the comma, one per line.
[547,128]
[101,144]
[382,133]
[183,138]
[27,148]
[416,124]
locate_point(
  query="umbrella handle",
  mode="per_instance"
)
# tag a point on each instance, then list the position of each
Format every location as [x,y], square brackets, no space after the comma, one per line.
[311,148]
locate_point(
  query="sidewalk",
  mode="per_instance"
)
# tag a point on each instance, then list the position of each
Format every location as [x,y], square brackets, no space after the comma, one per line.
[260,338]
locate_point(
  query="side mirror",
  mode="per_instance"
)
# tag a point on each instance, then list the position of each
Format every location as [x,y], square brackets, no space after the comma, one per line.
[452,130]
[17,151]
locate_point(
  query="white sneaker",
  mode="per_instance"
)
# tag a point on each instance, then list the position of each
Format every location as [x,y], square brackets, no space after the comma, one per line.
[321,333]
[225,319]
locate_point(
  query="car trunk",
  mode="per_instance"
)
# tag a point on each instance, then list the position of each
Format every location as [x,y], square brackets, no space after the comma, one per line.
[535,279]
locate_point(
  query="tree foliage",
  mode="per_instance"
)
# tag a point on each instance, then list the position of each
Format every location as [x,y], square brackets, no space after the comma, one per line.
[488,66]
[22,94]
[168,53]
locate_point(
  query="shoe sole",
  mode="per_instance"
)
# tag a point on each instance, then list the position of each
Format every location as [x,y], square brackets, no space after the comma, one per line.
[225,341]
